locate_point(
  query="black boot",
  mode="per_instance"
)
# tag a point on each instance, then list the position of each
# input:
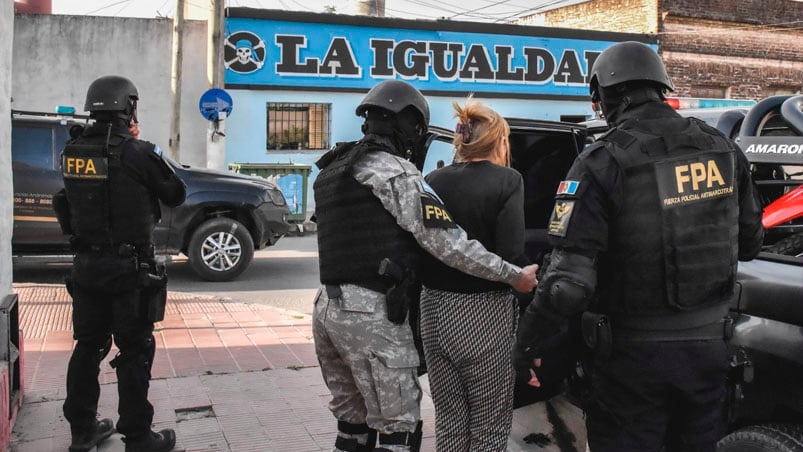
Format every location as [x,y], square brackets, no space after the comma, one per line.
[349,435]
[85,440]
[163,441]
[410,439]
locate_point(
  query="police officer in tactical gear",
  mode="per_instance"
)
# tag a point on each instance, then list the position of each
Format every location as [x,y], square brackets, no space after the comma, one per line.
[110,204]
[647,230]
[375,214]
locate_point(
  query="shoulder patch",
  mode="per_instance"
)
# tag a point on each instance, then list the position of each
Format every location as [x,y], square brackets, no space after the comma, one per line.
[559,221]
[434,214]
[157,150]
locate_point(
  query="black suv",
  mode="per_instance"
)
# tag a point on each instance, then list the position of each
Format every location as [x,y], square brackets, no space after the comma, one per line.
[765,403]
[225,217]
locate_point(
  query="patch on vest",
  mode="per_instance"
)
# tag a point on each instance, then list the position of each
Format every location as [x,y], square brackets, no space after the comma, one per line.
[434,214]
[559,221]
[702,178]
[73,167]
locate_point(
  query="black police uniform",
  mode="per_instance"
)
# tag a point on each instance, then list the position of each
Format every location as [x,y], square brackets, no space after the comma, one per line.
[110,205]
[661,208]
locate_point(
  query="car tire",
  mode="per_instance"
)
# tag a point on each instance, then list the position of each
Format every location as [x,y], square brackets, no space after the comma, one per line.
[789,246]
[764,438]
[220,249]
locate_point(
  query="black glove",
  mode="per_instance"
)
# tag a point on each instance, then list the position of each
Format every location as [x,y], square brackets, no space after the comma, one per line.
[526,349]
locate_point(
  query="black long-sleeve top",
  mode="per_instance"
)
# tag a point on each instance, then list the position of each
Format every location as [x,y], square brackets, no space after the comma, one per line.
[487,201]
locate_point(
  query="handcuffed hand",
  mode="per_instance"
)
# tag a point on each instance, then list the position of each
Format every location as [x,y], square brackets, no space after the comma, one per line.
[523,359]
[527,280]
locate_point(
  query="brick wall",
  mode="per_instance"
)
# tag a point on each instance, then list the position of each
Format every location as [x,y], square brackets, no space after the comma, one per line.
[746,49]
[624,16]
[741,11]
[747,61]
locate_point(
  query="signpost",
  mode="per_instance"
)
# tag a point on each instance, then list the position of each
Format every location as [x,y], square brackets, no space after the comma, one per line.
[214,102]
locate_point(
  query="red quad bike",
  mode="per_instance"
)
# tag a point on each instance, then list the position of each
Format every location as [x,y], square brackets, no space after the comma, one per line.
[771,137]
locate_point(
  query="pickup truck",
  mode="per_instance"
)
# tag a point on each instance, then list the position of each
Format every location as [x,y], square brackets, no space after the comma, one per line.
[225,217]
[765,401]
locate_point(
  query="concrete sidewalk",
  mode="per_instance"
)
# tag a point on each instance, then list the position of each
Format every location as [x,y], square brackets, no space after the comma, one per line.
[227,377]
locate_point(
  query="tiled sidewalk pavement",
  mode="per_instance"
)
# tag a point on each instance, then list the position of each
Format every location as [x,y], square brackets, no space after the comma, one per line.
[227,376]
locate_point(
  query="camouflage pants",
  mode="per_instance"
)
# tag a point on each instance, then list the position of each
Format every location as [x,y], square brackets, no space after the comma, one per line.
[369,364]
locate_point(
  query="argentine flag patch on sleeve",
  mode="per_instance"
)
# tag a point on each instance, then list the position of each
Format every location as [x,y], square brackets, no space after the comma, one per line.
[568,187]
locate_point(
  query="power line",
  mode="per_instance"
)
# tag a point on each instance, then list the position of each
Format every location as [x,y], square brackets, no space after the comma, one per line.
[107,6]
[532,10]
[121,9]
[477,9]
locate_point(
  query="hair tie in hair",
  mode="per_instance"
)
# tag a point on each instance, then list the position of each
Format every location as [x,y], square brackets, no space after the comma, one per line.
[464,129]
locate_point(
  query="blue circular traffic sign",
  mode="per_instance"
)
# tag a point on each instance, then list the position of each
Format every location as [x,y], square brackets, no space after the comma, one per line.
[213,102]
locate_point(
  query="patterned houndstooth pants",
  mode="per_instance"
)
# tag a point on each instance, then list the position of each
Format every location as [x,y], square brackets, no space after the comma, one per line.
[468,340]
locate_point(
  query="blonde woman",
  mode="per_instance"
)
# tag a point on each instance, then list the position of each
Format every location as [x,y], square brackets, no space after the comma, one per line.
[468,325]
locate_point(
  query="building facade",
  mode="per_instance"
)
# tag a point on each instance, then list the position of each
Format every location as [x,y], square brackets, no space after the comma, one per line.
[747,49]
[297,78]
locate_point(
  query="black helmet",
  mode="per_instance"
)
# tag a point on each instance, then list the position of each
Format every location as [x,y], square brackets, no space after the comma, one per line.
[625,62]
[395,96]
[111,93]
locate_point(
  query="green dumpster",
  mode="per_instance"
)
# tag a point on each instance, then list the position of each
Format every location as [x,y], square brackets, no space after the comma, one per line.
[291,178]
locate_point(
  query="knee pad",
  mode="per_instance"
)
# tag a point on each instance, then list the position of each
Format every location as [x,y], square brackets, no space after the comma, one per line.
[410,439]
[97,349]
[355,437]
[140,352]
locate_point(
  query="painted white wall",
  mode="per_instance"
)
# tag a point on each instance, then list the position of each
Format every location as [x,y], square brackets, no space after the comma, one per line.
[6,187]
[58,56]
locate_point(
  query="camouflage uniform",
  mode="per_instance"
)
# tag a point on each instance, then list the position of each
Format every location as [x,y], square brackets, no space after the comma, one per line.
[367,361]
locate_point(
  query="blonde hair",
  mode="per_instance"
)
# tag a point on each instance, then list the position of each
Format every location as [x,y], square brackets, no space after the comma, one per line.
[478,133]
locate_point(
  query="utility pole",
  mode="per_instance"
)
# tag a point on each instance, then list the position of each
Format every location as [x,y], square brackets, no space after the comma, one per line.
[215,137]
[175,82]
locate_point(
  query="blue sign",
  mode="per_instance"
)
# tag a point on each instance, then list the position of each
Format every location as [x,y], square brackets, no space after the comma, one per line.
[285,54]
[213,102]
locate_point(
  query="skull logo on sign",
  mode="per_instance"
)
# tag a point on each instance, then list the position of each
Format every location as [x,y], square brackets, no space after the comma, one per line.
[244,52]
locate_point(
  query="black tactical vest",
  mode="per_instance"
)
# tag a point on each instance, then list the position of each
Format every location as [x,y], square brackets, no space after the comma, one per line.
[108,207]
[355,232]
[673,245]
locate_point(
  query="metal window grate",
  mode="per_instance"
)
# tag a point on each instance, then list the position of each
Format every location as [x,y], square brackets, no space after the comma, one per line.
[298,126]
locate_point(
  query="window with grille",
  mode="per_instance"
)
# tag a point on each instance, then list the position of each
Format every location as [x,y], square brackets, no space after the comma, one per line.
[298,126]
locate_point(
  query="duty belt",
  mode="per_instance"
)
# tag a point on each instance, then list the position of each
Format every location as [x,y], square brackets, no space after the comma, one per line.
[122,249]
[380,285]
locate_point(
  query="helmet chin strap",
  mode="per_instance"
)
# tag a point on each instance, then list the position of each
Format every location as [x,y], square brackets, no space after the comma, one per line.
[130,112]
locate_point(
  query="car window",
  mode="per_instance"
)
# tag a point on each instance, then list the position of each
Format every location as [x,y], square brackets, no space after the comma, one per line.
[543,159]
[440,151]
[36,145]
